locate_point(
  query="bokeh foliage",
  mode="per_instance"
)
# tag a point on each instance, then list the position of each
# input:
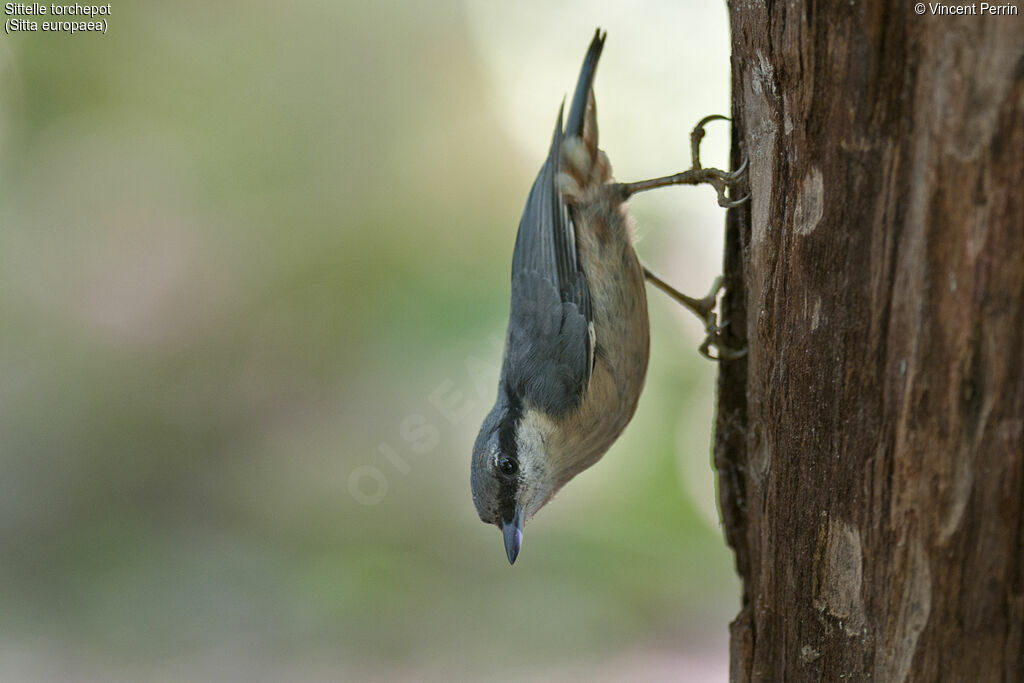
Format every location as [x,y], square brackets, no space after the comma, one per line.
[241,244]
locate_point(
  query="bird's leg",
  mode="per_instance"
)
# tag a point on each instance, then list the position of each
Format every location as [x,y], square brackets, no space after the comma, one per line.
[720,180]
[705,310]
[696,175]
[702,308]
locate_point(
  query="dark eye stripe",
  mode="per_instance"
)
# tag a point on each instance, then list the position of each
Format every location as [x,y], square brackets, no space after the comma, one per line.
[508,426]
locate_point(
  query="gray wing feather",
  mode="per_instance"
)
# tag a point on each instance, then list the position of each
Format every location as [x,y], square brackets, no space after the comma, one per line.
[550,348]
[548,352]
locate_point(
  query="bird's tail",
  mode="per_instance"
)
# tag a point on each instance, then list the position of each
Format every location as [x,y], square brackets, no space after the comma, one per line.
[582,121]
[582,165]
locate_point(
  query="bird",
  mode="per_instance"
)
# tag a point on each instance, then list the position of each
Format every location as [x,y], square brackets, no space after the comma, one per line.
[577,344]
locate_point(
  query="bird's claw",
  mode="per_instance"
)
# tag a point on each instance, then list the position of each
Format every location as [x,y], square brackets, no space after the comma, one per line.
[720,180]
[715,338]
[734,203]
[715,333]
[698,134]
[738,173]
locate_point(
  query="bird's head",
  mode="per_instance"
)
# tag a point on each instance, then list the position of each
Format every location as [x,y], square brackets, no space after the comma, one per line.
[511,473]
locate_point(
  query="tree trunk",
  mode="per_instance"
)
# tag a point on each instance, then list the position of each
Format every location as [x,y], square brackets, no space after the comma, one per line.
[870,447]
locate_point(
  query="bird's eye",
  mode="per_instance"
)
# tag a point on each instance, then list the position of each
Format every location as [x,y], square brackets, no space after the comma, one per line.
[507,465]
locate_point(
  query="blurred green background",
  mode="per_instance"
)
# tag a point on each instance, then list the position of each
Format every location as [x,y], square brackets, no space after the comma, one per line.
[255,267]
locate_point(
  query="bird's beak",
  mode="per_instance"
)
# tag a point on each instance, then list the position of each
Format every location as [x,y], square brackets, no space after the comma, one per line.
[513,533]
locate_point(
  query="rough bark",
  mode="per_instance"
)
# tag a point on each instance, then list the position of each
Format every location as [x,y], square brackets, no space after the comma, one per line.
[870,447]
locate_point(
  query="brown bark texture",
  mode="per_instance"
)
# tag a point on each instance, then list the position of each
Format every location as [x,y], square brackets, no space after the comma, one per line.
[870,447]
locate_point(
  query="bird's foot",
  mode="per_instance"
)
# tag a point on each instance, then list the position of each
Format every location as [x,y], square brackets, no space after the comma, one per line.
[697,174]
[716,339]
[705,310]
[718,179]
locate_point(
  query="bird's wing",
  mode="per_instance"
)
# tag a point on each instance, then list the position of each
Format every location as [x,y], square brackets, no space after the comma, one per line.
[550,349]
[549,355]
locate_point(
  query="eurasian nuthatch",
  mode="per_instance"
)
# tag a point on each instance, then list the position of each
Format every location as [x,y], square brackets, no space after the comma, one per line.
[577,343]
